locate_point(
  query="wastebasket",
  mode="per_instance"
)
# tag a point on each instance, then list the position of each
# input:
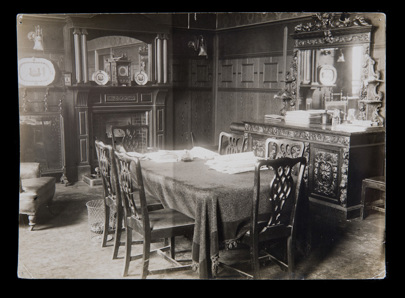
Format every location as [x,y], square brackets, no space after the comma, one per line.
[96,210]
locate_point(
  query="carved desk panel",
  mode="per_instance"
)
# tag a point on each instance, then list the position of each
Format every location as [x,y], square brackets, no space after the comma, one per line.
[337,161]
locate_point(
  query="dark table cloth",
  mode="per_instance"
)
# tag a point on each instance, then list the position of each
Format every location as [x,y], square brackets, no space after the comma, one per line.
[220,203]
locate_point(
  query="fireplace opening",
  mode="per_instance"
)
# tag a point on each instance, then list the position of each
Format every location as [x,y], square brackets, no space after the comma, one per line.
[103,122]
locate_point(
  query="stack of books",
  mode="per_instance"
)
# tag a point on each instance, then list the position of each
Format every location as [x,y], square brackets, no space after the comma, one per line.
[273,117]
[304,117]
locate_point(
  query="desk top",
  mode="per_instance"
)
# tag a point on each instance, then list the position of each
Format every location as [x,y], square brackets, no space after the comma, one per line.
[343,129]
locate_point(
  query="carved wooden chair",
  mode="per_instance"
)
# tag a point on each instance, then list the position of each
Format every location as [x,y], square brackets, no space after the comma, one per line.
[277,148]
[281,222]
[132,138]
[150,224]
[230,143]
[112,201]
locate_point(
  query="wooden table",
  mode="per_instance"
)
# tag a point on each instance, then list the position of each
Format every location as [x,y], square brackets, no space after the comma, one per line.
[220,203]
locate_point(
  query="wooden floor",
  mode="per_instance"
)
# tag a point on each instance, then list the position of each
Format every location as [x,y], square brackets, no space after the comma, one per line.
[62,247]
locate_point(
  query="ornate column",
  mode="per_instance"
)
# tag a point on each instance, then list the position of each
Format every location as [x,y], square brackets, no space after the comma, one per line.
[159,59]
[78,66]
[165,58]
[84,56]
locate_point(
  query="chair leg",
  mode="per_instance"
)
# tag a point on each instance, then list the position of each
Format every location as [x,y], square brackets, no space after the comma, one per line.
[31,222]
[363,201]
[106,226]
[118,232]
[146,254]
[290,257]
[128,245]
[172,247]
[255,262]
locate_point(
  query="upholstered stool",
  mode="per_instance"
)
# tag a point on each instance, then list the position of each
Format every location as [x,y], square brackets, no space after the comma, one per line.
[372,183]
[34,190]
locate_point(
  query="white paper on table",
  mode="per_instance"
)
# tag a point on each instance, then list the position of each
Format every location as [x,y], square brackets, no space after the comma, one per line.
[136,154]
[203,153]
[165,155]
[233,163]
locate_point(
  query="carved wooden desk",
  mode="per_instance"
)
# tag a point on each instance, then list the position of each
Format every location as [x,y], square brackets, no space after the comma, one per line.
[338,161]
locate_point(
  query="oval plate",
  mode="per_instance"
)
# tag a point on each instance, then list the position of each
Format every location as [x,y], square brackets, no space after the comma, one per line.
[35,72]
[327,75]
[100,77]
[141,78]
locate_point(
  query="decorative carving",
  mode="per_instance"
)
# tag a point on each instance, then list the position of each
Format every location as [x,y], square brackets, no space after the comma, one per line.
[333,29]
[377,119]
[298,134]
[121,97]
[280,188]
[371,80]
[258,147]
[327,21]
[289,93]
[328,39]
[306,155]
[344,173]
[326,172]
[104,154]
[230,143]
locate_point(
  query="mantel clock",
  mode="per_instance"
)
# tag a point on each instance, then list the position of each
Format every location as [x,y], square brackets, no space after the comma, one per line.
[124,73]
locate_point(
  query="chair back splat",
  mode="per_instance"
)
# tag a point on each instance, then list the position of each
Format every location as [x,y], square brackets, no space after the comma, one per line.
[277,148]
[151,224]
[130,188]
[230,143]
[112,202]
[283,193]
[132,138]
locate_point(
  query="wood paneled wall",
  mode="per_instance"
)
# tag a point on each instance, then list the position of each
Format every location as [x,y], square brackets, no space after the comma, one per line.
[245,69]
[252,64]
[193,101]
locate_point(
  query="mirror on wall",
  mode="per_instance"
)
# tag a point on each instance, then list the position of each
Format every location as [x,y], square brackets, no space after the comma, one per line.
[331,77]
[125,60]
[332,69]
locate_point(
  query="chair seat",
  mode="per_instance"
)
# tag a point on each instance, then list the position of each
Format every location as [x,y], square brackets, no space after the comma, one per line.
[42,187]
[169,219]
[272,232]
[38,185]
[153,202]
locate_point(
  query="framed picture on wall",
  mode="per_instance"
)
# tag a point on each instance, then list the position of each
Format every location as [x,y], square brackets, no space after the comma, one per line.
[67,79]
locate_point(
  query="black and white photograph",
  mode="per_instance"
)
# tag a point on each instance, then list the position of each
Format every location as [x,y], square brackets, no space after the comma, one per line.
[202,145]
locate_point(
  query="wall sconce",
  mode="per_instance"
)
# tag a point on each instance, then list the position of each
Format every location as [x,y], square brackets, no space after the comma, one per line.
[36,37]
[199,45]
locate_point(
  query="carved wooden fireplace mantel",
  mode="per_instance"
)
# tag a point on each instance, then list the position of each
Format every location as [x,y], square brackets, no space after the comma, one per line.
[338,161]
[99,107]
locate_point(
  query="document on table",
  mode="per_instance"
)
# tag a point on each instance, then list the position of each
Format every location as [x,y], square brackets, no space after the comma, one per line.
[165,155]
[203,153]
[233,163]
[176,155]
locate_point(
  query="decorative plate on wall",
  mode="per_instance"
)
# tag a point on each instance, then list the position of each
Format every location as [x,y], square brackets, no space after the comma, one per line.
[100,77]
[141,78]
[327,75]
[35,72]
